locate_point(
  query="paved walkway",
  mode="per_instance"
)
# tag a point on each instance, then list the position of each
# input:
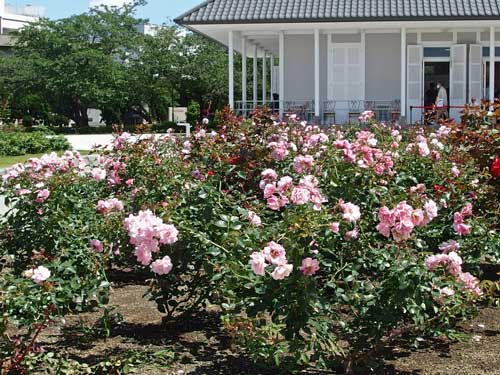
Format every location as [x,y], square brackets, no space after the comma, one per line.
[86,142]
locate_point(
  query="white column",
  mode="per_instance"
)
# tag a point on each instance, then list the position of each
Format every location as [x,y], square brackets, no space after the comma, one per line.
[282,71]
[316,74]
[255,77]
[271,63]
[264,77]
[244,73]
[492,64]
[403,72]
[231,69]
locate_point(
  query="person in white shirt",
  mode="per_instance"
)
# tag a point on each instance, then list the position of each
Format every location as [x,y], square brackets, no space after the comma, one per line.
[442,101]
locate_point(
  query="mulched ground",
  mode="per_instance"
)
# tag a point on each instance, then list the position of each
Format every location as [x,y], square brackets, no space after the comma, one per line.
[202,349]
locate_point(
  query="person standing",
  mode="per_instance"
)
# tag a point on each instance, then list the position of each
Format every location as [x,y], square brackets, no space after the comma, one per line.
[430,96]
[441,101]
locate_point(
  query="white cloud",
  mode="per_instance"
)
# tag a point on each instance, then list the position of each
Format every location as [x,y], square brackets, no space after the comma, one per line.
[118,3]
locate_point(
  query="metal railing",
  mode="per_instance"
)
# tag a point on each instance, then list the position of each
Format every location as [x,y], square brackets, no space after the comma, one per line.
[332,111]
[302,108]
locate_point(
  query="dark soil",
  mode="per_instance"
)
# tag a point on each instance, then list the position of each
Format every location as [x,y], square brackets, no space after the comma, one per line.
[203,349]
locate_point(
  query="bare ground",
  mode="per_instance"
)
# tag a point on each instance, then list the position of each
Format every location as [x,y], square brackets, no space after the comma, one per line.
[202,348]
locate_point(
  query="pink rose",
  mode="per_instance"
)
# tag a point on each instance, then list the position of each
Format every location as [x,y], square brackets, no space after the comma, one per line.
[352,235]
[386,216]
[106,206]
[97,245]
[282,271]
[423,149]
[417,217]
[143,255]
[300,195]
[467,210]
[162,266]
[433,261]
[455,172]
[98,174]
[303,163]
[462,229]
[454,264]
[284,183]
[258,263]
[431,211]
[274,203]
[384,229]
[269,174]
[275,253]
[269,190]
[42,195]
[309,266]
[335,227]
[167,234]
[254,219]
[446,292]
[351,212]
[449,246]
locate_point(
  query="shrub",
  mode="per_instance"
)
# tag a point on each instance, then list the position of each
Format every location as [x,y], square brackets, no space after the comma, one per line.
[21,143]
[193,113]
[164,127]
[318,247]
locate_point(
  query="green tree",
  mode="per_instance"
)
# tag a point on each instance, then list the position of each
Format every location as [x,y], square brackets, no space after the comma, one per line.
[205,77]
[81,62]
[155,76]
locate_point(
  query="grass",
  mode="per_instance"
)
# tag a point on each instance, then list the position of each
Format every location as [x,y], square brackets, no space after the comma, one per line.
[7,161]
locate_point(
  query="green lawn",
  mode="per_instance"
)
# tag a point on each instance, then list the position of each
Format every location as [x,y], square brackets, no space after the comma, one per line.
[7,161]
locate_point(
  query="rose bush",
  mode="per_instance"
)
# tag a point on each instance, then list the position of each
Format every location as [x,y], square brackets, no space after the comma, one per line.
[318,246]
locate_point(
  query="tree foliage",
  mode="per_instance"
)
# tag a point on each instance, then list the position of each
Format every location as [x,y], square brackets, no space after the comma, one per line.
[98,59]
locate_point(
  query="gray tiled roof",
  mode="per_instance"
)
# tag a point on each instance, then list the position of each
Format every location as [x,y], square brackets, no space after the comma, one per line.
[260,11]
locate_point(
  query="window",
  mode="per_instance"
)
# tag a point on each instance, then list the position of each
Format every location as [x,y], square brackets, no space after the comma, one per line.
[486,51]
[436,52]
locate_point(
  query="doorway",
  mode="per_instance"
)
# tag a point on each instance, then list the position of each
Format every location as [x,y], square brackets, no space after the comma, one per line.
[487,79]
[434,72]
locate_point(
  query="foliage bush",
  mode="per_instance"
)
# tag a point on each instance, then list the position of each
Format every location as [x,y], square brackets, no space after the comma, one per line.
[193,113]
[21,143]
[318,247]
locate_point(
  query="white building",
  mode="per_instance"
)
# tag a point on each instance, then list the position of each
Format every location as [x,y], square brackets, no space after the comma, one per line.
[13,19]
[148,29]
[332,59]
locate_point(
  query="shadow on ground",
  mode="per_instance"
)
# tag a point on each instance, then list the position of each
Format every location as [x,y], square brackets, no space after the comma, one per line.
[202,348]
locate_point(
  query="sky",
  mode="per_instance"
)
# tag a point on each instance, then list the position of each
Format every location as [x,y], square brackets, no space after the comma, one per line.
[157,11]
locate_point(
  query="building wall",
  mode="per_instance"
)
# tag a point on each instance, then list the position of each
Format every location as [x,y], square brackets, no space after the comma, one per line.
[299,67]
[382,63]
[383,67]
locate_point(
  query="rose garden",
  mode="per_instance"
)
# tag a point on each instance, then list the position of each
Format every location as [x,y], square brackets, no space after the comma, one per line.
[313,249]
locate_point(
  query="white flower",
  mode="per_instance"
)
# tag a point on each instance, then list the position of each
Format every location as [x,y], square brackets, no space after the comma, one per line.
[39,274]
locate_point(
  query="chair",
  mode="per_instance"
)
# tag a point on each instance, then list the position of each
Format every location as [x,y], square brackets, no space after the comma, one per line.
[395,110]
[382,110]
[329,112]
[292,108]
[354,110]
[309,109]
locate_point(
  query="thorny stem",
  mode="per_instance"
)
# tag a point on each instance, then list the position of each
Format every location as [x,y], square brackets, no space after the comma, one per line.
[28,348]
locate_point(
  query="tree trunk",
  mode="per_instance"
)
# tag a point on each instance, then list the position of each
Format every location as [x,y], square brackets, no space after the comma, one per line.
[81,118]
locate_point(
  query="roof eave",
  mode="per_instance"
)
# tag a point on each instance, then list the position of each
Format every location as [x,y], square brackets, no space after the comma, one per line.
[180,20]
